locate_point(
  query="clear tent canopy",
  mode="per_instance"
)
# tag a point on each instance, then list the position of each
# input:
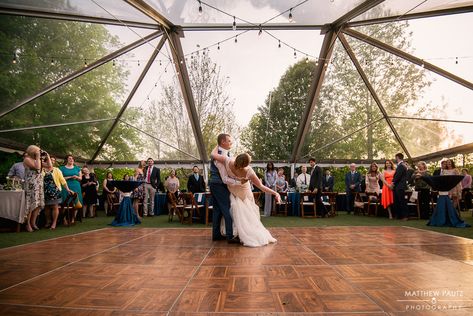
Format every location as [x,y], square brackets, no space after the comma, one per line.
[158,40]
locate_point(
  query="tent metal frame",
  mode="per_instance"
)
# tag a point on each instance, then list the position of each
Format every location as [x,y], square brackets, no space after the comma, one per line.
[172,34]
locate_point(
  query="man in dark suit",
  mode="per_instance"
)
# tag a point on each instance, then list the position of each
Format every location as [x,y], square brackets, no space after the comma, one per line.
[328,182]
[152,177]
[399,186]
[293,182]
[315,185]
[443,166]
[352,185]
[195,183]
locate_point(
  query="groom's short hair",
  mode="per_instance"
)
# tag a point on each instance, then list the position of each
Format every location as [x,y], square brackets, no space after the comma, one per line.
[222,137]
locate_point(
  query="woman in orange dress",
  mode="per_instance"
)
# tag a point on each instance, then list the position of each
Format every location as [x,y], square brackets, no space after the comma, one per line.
[387,197]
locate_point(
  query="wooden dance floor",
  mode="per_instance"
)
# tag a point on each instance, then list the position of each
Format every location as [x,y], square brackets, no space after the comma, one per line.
[332,270]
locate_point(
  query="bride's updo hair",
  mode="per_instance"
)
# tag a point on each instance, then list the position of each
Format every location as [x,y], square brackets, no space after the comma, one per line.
[242,160]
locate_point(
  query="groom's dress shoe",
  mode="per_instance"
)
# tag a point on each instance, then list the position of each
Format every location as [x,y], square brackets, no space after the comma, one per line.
[234,240]
[218,238]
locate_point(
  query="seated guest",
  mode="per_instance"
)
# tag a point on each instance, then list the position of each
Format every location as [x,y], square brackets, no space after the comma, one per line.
[327,182]
[281,183]
[423,189]
[352,185]
[303,180]
[89,188]
[110,192]
[33,186]
[195,183]
[372,179]
[138,195]
[466,190]
[17,171]
[53,183]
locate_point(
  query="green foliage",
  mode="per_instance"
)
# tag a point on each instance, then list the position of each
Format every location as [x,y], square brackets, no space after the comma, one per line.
[6,161]
[48,50]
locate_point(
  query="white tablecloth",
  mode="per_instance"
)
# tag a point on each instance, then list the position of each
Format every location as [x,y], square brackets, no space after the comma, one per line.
[13,205]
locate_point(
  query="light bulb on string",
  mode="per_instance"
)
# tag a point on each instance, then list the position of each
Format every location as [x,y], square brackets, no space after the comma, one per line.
[317,62]
[113,63]
[236,39]
[279,44]
[160,63]
[52,62]
[200,8]
[306,59]
[295,54]
[14,58]
[234,23]
[290,15]
[260,30]
[218,46]
[85,63]
[456,60]
[182,61]
[138,63]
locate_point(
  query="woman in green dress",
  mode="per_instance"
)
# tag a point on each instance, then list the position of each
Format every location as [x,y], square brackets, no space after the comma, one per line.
[73,176]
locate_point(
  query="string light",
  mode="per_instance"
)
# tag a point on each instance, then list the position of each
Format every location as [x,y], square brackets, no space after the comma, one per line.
[317,62]
[85,63]
[456,60]
[160,63]
[14,58]
[260,30]
[138,63]
[295,54]
[279,45]
[113,63]
[52,62]
[218,46]
[290,15]
[306,59]
[236,39]
[234,23]
[200,8]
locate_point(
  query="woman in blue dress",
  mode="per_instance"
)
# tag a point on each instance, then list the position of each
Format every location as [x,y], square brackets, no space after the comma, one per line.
[73,176]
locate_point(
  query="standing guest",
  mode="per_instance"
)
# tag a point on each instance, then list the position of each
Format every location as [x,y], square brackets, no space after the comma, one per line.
[141,166]
[328,181]
[456,192]
[293,182]
[352,186]
[33,186]
[17,171]
[466,190]
[315,186]
[195,183]
[423,189]
[387,195]
[89,188]
[53,183]
[443,166]
[281,183]
[126,177]
[372,179]
[399,186]
[110,192]
[73,176]
[303,180]
[152,180]
[270,177]
[138,195]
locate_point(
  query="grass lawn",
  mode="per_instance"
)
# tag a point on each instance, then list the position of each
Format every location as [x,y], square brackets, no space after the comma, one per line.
[12,239]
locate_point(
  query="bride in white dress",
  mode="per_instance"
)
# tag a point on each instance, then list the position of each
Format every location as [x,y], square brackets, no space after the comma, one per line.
[245,212]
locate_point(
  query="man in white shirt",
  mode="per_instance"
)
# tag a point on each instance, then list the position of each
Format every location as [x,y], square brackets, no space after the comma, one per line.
[303,180]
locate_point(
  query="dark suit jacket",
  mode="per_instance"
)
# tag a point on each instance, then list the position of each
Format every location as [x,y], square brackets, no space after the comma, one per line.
[436,172]
[155,176]
[327,184]
[316,179]
[401,176]
[194,185]
[293,183]
[356,181]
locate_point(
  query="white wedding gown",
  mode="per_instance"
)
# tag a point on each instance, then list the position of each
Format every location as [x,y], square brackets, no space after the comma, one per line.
[245,213]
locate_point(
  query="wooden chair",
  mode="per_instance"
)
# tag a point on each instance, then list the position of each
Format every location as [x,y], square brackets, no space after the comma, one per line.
[308,200]
[412,205]
[191,209]
[361,201]
[208,208]
[332,202]
[175,207]
[281,209]
[68,208]
[373,199]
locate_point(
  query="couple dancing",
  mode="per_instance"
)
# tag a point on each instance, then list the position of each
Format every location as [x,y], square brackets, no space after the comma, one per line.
[233,199]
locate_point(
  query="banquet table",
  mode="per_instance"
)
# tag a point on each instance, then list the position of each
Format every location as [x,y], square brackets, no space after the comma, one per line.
[160,202]
[126,215]
[13,206]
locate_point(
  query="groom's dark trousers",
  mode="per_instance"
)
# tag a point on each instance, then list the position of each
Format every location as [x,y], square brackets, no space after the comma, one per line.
[221,204]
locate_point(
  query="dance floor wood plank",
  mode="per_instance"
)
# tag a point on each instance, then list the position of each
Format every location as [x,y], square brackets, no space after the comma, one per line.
[321,271]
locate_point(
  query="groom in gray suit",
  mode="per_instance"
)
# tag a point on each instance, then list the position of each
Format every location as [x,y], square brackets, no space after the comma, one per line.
[220,193]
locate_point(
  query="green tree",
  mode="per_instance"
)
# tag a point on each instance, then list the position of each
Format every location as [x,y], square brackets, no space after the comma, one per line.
[47,50]
[345,105]
[168,116]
